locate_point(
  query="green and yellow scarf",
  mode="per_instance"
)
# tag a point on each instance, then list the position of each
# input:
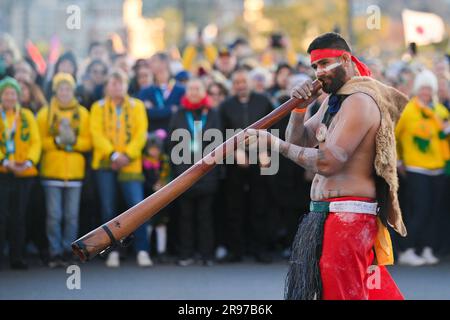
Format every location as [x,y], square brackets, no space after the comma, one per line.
[22,127]
[55,116]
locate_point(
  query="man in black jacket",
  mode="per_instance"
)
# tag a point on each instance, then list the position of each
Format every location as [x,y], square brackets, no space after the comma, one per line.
[196,217]
[246,190]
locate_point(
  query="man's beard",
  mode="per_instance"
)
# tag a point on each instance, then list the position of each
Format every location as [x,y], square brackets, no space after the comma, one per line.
[333,82]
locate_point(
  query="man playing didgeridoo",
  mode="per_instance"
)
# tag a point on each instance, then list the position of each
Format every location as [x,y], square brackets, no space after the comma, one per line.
[342,245]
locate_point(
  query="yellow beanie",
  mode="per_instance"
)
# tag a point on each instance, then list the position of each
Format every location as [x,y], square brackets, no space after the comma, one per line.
[63,77]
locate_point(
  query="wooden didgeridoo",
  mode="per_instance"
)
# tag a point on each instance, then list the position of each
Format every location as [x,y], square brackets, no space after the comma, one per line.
[126,223]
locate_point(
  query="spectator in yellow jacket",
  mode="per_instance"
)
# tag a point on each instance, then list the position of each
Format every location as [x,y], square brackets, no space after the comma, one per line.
[119,132]
[196,53]
[65,134]
[20,149]
[423,152]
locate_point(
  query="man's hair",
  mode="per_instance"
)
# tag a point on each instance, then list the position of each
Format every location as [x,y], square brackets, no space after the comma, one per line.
[95,62]
[329,40]
[118,75]
[281,66]
[94,44]
[240,70]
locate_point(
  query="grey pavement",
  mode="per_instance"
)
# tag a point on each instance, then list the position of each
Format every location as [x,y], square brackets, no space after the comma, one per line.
[229,282]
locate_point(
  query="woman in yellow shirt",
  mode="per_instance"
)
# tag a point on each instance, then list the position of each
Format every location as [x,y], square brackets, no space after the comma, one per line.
[64,129]
[119,131]
[423,152]
[20,149]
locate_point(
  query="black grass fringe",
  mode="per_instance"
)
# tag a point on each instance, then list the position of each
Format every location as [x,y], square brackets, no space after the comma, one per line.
[303,281]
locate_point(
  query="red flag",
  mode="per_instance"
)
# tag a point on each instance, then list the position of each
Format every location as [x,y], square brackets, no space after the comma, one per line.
[36,56]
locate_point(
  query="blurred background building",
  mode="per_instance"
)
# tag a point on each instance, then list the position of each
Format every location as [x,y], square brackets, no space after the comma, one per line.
[150,25]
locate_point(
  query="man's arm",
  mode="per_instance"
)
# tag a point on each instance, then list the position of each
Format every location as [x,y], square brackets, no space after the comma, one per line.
[301,132]
[357,116]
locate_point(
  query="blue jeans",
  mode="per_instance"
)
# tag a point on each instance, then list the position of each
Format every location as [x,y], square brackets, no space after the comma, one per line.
[63,203]
[133,193]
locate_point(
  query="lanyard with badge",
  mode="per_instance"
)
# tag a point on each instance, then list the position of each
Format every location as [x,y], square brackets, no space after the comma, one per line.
[196,127]
[10,133]
[163,94]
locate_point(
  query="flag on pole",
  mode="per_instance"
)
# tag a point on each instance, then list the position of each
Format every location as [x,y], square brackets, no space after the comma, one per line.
[36,56]
[54,51]
[422,28]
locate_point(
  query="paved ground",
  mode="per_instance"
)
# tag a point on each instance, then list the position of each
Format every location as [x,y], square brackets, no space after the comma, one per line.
[237,281]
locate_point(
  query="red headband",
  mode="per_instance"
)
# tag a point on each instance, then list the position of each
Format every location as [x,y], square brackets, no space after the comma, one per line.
[319,54]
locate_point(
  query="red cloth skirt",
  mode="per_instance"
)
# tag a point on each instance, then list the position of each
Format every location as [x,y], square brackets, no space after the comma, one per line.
[347,256]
